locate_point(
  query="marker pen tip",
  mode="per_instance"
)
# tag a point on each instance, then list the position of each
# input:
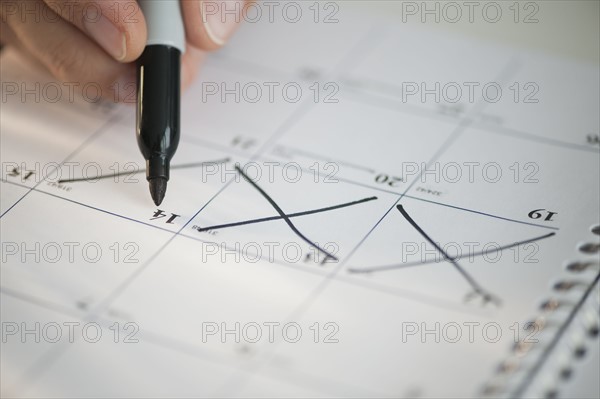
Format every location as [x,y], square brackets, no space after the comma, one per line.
[158,188]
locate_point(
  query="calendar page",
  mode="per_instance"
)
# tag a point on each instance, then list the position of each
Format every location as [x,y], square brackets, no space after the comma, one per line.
[385,211]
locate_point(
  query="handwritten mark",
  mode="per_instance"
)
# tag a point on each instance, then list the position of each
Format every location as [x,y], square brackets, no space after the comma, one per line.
[426,262]
[138,171]
[286,217]
[477,289]
[291,215]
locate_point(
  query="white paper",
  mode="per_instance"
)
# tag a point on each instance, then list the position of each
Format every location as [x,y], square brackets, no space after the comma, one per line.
[164,283]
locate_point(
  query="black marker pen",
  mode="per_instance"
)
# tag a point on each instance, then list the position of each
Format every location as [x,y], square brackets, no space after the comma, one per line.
[158,96]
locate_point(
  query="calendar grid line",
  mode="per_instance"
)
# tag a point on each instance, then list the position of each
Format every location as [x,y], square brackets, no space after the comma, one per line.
[91,207]
[507,131]
[500,130]
[92,137]
[425,111]
[159,340]
[483,213]
[43,303]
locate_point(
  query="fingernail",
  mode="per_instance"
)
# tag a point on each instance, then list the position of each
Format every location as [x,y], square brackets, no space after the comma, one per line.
[108,36]
[220,18]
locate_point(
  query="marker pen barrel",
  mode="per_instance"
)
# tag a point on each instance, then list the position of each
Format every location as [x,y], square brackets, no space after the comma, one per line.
[158,96]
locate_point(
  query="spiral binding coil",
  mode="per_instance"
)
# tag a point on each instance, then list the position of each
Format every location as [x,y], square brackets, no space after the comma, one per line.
[515,364]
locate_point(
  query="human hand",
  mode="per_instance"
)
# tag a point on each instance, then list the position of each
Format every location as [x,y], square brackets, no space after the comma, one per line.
[97,41]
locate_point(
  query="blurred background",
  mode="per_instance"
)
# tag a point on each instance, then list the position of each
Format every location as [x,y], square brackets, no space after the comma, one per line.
[567,28]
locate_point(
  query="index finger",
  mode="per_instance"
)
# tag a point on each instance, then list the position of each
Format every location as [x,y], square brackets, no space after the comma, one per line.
[209,23]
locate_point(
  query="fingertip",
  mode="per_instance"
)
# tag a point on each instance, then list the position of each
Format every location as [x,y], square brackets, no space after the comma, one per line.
[129,19]
[135,43]
[210,24]
[137,37]
[194,32]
